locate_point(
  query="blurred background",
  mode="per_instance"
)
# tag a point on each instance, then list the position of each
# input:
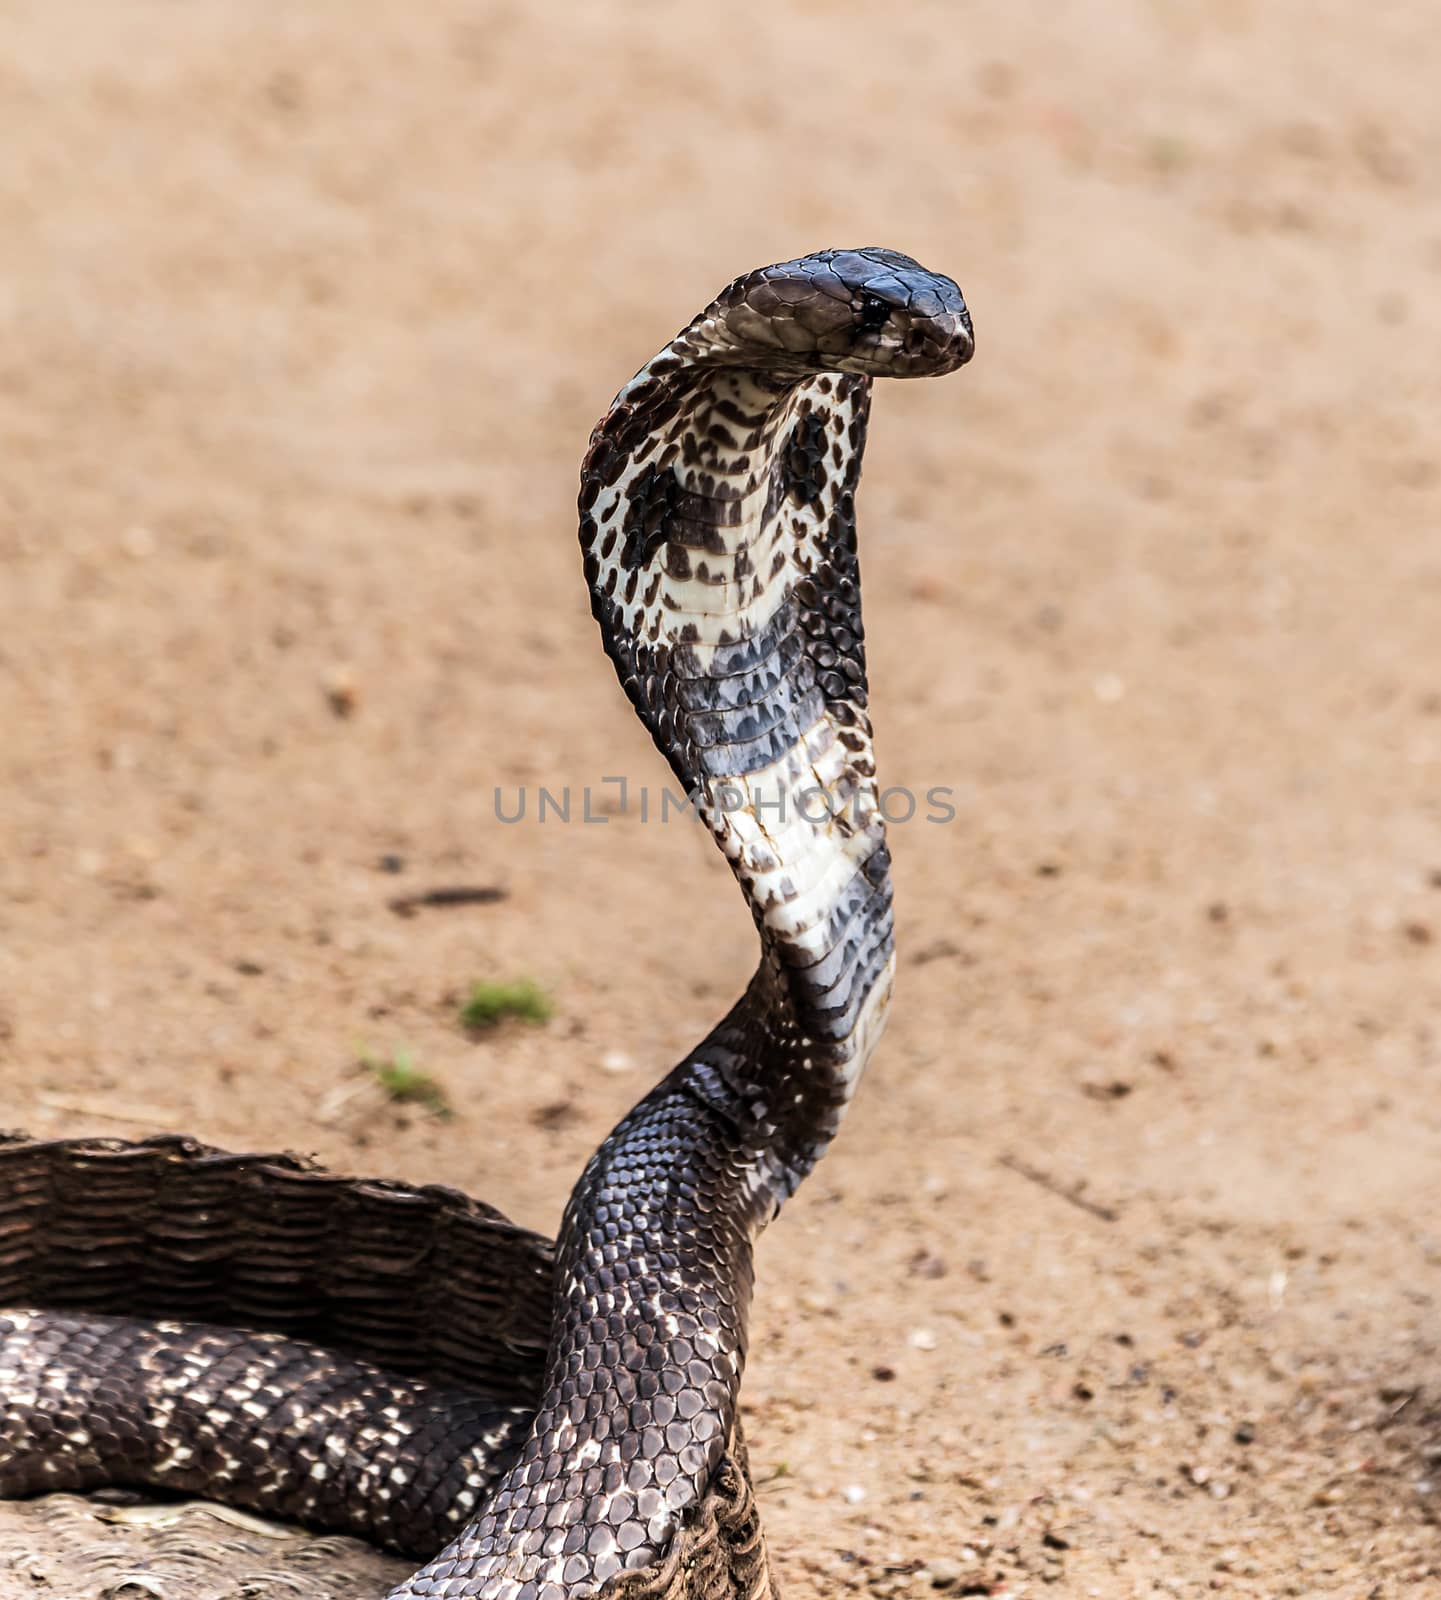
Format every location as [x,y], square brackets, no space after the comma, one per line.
[1123,1277]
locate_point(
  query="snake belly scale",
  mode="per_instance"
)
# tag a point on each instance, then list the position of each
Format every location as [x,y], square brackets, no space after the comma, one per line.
[403,1364]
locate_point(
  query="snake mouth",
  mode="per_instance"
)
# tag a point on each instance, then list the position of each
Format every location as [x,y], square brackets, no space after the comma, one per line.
[940,345]
[916,347]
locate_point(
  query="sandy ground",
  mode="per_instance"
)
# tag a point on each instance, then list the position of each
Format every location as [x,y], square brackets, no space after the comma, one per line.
[1123,1278]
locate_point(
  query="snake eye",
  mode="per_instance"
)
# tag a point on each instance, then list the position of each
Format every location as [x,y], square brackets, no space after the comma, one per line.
[874,313]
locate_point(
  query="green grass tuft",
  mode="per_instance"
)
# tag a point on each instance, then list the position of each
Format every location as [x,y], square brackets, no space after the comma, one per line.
[490,1003]
[404,1082]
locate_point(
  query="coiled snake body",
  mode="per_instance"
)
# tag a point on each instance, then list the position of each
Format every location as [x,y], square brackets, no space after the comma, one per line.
[391,1390]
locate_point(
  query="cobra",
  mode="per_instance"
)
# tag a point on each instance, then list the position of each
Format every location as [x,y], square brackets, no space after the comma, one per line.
[385,1376]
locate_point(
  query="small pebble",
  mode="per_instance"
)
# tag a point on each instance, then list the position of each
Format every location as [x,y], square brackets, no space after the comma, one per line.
[1109,688]
[341,691]
[617,1061]
[921,1339]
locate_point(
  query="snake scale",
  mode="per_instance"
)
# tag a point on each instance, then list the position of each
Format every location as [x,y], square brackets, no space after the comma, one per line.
[403,1364]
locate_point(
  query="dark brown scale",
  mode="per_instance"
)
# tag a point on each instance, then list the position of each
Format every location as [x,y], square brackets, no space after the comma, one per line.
[649,515]
[803,475]
[696,527]
[605,464]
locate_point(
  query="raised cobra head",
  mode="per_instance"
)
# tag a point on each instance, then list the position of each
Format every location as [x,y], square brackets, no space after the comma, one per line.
[869,311]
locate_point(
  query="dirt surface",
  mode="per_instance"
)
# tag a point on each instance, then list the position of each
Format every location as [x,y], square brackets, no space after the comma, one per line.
[1123,1278]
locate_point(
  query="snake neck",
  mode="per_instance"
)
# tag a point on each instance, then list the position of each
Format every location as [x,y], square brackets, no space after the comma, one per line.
[718,524]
